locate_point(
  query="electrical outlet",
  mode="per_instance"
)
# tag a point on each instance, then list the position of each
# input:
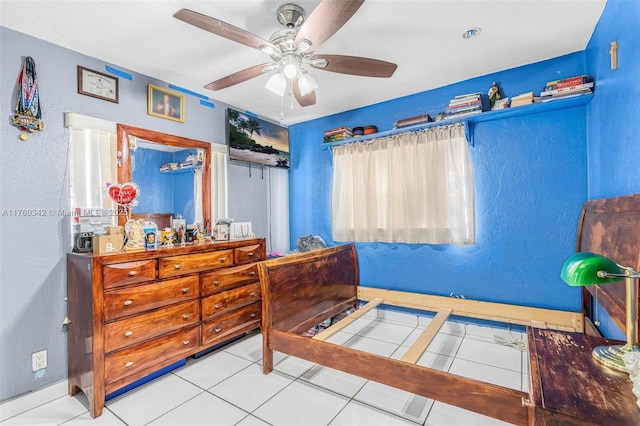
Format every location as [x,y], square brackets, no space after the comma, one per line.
[39,360]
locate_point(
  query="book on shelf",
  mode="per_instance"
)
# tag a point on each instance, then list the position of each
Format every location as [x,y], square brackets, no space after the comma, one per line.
[522,99]
[343,129]
[584,87]
[463,101]
[468,95]
[473,102]
[463,114]
[464,108]
[567,82]
[418,119]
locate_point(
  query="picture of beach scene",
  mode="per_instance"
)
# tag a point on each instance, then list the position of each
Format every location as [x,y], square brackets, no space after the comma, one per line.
[257,141]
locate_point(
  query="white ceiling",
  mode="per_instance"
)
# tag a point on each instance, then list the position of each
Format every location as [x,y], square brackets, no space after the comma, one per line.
[424,37]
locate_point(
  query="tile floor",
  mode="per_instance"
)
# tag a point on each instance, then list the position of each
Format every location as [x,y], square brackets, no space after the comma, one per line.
[227,387]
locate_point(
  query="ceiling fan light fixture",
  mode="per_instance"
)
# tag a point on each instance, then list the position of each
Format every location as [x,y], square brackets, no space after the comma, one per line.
[304,45]
[307,84]
[277,84]
[290,70]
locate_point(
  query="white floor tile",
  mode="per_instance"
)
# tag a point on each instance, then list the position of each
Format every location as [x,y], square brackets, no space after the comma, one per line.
[449,327]
[334,380]
[290,364]
[252,421]
[250,388]
[387,331]
[428,359]
[248,348]
[143,404]
[339,338]
[488,353]
[372,346]
[404,318]
[52,413]
[486,373]
[31,400]
[203,410]
[356,413]
[396,401]
[106,419]
[448,415]
[301,403]
[490,333]
[212,368]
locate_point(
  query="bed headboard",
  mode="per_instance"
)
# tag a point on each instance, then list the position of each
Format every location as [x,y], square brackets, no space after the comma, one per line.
[302,290]
[611,227]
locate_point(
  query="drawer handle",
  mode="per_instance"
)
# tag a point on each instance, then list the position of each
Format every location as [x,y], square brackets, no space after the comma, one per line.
[178,266]
[252,273]
[250,253]
[217,282]
[254,294]
[185,316]
[218,306]
[127,302]
[185,290]
[217,330]
[128,364]
[128,334]
[185,342]
[132,273]
[223,259]
[253,315]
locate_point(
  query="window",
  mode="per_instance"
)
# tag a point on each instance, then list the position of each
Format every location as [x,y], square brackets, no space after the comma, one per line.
[414,187]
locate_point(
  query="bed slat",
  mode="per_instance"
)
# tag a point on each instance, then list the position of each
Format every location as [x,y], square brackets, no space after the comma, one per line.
[326,333]
[417,349]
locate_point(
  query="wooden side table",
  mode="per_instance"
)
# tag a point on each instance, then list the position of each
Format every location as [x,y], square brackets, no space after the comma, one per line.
[568,387]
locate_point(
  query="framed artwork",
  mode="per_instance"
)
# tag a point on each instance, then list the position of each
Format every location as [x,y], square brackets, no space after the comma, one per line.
[97,85]
[165,103]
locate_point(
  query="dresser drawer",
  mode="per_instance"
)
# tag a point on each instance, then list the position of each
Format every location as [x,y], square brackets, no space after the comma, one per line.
[243,319]
[135,299]
[223,279]
[137,328]
[227,301]
[119,274]
[188,263]
[248,254]
[136,358]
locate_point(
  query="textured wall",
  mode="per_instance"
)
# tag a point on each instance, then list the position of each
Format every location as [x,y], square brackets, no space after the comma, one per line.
[530,178]
[34,175]
[613,117]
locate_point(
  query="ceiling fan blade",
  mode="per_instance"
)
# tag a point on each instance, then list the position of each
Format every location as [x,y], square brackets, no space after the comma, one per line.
[355,65]
[325,20]
[238,77]
[306,100]
[222,29]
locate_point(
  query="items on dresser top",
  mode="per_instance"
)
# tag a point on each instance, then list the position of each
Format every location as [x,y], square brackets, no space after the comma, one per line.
[132,314]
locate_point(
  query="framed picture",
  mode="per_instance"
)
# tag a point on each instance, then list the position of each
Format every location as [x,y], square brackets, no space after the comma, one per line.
[97,85]
[165,104]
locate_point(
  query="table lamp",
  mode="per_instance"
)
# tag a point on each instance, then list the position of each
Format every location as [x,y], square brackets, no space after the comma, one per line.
[584,268]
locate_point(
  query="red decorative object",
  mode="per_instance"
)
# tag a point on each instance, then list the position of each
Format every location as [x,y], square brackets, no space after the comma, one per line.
[125,194]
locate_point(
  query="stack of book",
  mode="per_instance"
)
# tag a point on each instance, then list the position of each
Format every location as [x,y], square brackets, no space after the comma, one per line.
[464,105]
[522,99]
[338,134]
[572,86]
[412,121]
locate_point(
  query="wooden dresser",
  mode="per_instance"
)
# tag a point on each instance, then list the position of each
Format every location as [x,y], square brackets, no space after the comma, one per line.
[131,314]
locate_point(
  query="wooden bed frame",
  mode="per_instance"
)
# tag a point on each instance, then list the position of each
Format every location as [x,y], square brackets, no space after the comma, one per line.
[300,291]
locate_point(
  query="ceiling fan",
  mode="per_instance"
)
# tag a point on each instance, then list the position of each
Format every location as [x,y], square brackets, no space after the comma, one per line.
[292,47]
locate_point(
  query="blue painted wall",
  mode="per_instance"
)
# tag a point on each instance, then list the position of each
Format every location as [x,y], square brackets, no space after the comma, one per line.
[163,192]
[530,179]
[613,117]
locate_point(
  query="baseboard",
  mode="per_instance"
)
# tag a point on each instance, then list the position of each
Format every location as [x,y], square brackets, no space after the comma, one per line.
[28,401]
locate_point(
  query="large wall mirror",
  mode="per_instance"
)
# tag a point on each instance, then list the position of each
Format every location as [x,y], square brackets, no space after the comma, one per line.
[173,175]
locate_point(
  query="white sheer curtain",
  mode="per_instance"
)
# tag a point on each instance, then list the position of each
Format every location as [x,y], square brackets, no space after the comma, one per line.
[197,196]
[92,158]
[414,187]
[218,182]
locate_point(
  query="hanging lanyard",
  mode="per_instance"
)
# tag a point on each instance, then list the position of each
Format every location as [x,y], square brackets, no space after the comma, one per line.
[28,83]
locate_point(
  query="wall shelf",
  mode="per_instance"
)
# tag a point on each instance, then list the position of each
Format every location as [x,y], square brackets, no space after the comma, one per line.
[469,120]
[181,170]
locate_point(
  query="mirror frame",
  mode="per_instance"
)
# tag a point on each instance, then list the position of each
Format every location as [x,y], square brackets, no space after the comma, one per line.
[124,160]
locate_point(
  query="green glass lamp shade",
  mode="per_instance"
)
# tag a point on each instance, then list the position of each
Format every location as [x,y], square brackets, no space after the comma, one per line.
[582,269]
